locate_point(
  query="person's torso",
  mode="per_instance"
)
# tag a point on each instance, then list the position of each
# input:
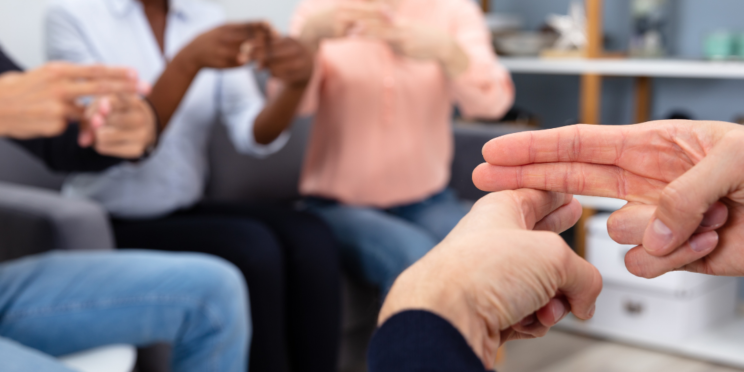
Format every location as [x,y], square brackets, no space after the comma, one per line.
[382,129]
[117,32]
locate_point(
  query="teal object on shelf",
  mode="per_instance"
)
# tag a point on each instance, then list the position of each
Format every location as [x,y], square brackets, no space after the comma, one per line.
[739,46]
[719,45]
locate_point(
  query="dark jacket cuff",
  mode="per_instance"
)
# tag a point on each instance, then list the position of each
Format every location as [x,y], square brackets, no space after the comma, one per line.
[416,340]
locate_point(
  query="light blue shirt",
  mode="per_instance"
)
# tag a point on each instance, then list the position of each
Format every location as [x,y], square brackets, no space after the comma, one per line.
[116,32]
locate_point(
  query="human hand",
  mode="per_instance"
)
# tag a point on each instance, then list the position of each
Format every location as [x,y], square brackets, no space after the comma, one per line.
[286,58]
[344,19]
[495,279]
[122,126]
[686,197]
[423,42]
[41,102]
[221,47]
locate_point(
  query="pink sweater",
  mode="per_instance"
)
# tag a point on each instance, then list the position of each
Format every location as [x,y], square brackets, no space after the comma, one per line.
[382,135]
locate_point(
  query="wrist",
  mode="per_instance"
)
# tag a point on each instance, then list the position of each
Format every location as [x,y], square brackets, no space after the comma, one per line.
[310,37]
[424,289]
[185,64]
[452,57]
[317,28]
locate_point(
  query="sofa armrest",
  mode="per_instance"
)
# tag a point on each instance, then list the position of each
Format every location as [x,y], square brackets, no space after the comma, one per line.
[36,220]
[469,141]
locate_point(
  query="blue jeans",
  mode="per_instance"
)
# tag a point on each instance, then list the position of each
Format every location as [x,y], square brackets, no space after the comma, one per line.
[379,244]
[61,303]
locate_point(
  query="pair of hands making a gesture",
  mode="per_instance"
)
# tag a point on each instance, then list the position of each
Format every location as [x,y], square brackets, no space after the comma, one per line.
[504,274]
[42,102]
[235,45]
[378,20]
[681,179]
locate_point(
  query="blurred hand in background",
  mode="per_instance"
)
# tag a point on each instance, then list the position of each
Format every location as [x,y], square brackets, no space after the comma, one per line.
[286,58]
[376,19]
[42,102]
[119,125]
[221,47]
[681,178]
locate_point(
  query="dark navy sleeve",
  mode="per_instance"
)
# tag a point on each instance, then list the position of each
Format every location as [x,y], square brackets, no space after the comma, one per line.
[62,153]
[420,341]
[6,64]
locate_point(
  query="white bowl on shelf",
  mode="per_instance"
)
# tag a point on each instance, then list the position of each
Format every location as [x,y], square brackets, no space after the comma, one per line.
[523,43]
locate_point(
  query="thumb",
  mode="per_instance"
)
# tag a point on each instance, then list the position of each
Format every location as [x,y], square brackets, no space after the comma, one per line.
[581,286]
[684,202]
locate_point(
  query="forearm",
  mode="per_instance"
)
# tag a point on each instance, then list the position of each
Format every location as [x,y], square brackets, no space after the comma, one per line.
[278,114]
[171,87]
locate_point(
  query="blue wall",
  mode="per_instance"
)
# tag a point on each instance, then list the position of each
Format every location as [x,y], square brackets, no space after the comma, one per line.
[555,98]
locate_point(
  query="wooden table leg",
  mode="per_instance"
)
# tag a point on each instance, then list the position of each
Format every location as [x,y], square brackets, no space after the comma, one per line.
[643,91]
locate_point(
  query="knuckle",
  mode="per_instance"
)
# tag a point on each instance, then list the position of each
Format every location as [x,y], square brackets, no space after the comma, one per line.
[616,228]
[675,200]
[58,92]
[55,110]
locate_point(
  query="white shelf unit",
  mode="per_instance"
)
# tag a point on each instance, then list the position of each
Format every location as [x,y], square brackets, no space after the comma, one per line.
[654,68]
[722,344]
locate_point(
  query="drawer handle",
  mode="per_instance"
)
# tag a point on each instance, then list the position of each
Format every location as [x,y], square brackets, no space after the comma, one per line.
[633,308]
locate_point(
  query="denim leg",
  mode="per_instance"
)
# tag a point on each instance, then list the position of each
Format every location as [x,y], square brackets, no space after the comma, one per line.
[15,357]
[62,303]
[438,214]
[375,245]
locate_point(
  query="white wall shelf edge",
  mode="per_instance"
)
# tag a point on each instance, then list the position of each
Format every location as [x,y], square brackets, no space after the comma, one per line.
[664,68]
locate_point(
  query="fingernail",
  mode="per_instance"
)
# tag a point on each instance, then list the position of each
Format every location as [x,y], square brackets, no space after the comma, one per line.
[715,217]
[559,311]
[527,321]
[661,236]
[708,221]
[704,242]
[592,310]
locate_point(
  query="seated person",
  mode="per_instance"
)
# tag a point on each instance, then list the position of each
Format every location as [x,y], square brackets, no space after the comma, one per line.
[55,304]
[196,64]
[379,157]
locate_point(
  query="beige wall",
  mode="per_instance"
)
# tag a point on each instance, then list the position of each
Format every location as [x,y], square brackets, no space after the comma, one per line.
[21,23]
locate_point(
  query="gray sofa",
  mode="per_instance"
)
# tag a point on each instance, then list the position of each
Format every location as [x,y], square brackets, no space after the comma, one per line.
[34,218]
